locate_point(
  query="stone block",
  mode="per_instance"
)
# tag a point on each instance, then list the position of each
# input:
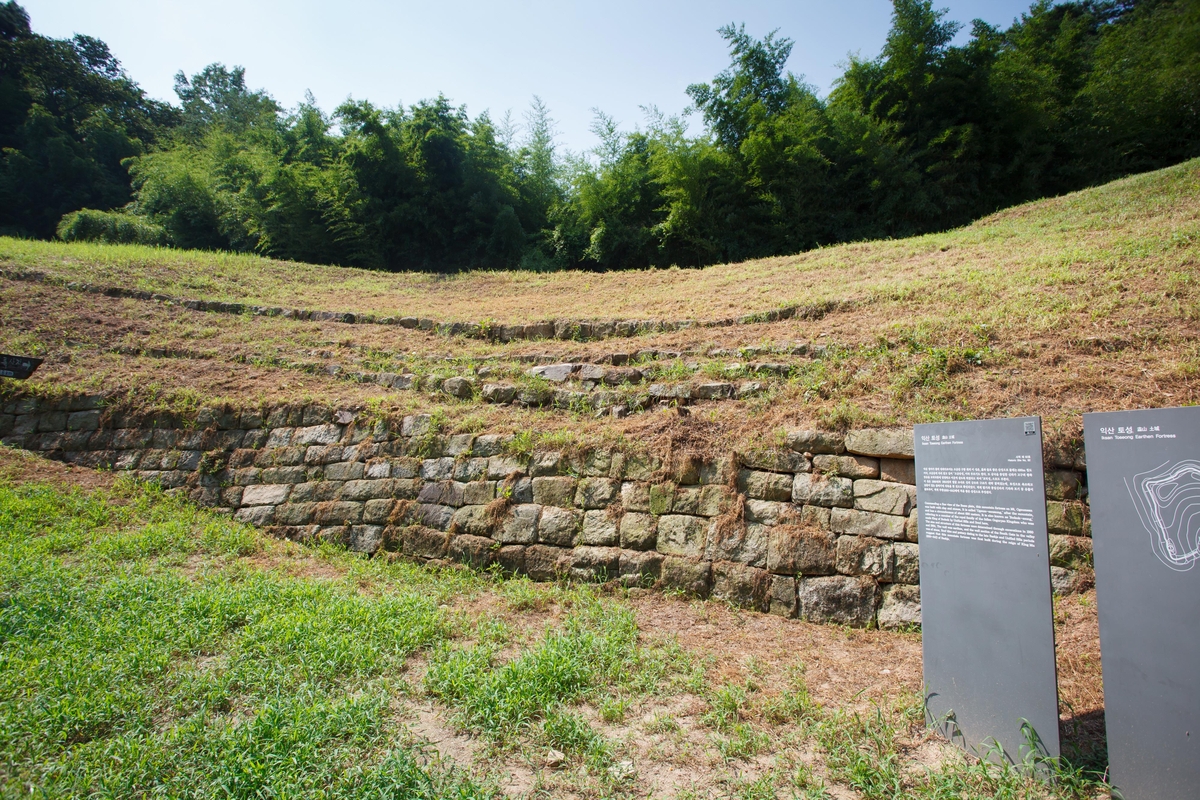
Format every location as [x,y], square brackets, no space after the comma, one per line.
[269,475]
[437,469]
[473,520]
[765,485]
[377,469]
[680,535]
[317,434]
[83,421]
[337,513]
[641,467]
[853,467]
[911,526]
[554,491]
[545,563]
[406,467]
[839,599]
[662,498]
[766,512]
[520,525]
[467,470]
[522,489]
[245,477]
[1063,485]
[852,522]
[776,460]
[498,393]
[265,495]
[783,596]
[434,516]
[638,531]
[474,551]
[1067,581]
[479,493]
[500,467]
[320,455]
[745,544]
[714,391]
[712,501]
[280,437]
[443,493]
[687,500]
[545,464]
[908,563]
[823,490]
[639,568]
[417,425]
[801,550]
[882,497]
[1071,552]
[898,470]
[742,586]
[862,555]
[595,493]
[881,442]
[459,387]
[377,512]
[901,607]
[595,563]
[367,490]
[365,538]
[256,515]
[422,542]
[52,422]
[599,529]
[1066,518]
[686,575]
[816,517]
[817,442]
[559,526]
[635,496]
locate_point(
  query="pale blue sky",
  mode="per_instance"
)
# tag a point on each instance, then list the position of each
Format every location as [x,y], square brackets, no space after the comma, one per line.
[615,55]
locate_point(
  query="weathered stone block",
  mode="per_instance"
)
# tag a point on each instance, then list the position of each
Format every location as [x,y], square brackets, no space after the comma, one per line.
[434,516]
[641,467]
[714,391]
[662,498]
[406,488]
[746,544]
[498,393]
[319,454]
[680,535]
[554,491]
[599,529]
[1063,485]
[901,607]
[471,520]
[265,495]
[687,500]
[520,525]
[417,425]
[500,467]
[766,512]
[884,498]
[911,526]
[459,387]
[839,599]
[823,490]
[558,526]
[366,490]
[640,568]
[545,464]
[437,469]
[852,522]
[776,460]
[469,470]
[846,466]
[1066,518]
[443,493]
[365,538]
[1067,581]
[595,563]
[783,596]
[545,563]
[317,434]
[862,555]
[743,586]
[474,551]
[256,515]
[908,563]
[83,421]
[422,542]
[765,485]
[881,442]
[635,496]
[816,517]
[478,493]
[898,470]
[638,531]
[269,475]
[686,575]
[712,500]
[337,513]
[1071,552]
[377,512]
[802,550]
[406,467]
[816,442]
[596,492]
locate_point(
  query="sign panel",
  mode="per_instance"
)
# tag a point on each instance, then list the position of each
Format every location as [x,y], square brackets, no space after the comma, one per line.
[20,367]
[987,618]
[1144,485]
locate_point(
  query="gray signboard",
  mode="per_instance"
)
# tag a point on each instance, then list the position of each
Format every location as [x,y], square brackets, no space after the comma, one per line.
[987,618]
[19,367]
[1144,485]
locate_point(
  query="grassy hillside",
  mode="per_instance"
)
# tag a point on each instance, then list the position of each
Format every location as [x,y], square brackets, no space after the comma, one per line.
[154,649]
[1084,302]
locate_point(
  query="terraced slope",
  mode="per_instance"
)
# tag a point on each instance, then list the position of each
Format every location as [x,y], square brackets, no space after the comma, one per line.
[1084,302]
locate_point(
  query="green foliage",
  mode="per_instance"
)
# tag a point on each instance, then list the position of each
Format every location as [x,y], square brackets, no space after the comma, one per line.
[110,227]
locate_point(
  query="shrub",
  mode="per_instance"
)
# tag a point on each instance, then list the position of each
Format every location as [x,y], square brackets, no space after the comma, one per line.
[113,227]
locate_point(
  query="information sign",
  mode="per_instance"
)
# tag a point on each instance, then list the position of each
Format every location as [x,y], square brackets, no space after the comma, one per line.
[987,619]
[1144,489]
[19,367]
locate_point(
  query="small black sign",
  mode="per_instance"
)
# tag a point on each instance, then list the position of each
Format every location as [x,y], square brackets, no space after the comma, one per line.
[19,367]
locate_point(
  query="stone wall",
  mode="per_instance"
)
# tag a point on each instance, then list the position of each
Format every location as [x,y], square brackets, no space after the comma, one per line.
[824,528]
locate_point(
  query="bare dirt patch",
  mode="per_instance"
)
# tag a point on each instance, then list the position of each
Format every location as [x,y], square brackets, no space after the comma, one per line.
[19,466]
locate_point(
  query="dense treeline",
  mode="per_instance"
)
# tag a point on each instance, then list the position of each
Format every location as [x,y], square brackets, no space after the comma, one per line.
[926,136]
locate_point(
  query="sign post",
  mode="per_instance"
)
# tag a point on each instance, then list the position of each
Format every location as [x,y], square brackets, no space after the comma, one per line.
[1144,485]
[987,619]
